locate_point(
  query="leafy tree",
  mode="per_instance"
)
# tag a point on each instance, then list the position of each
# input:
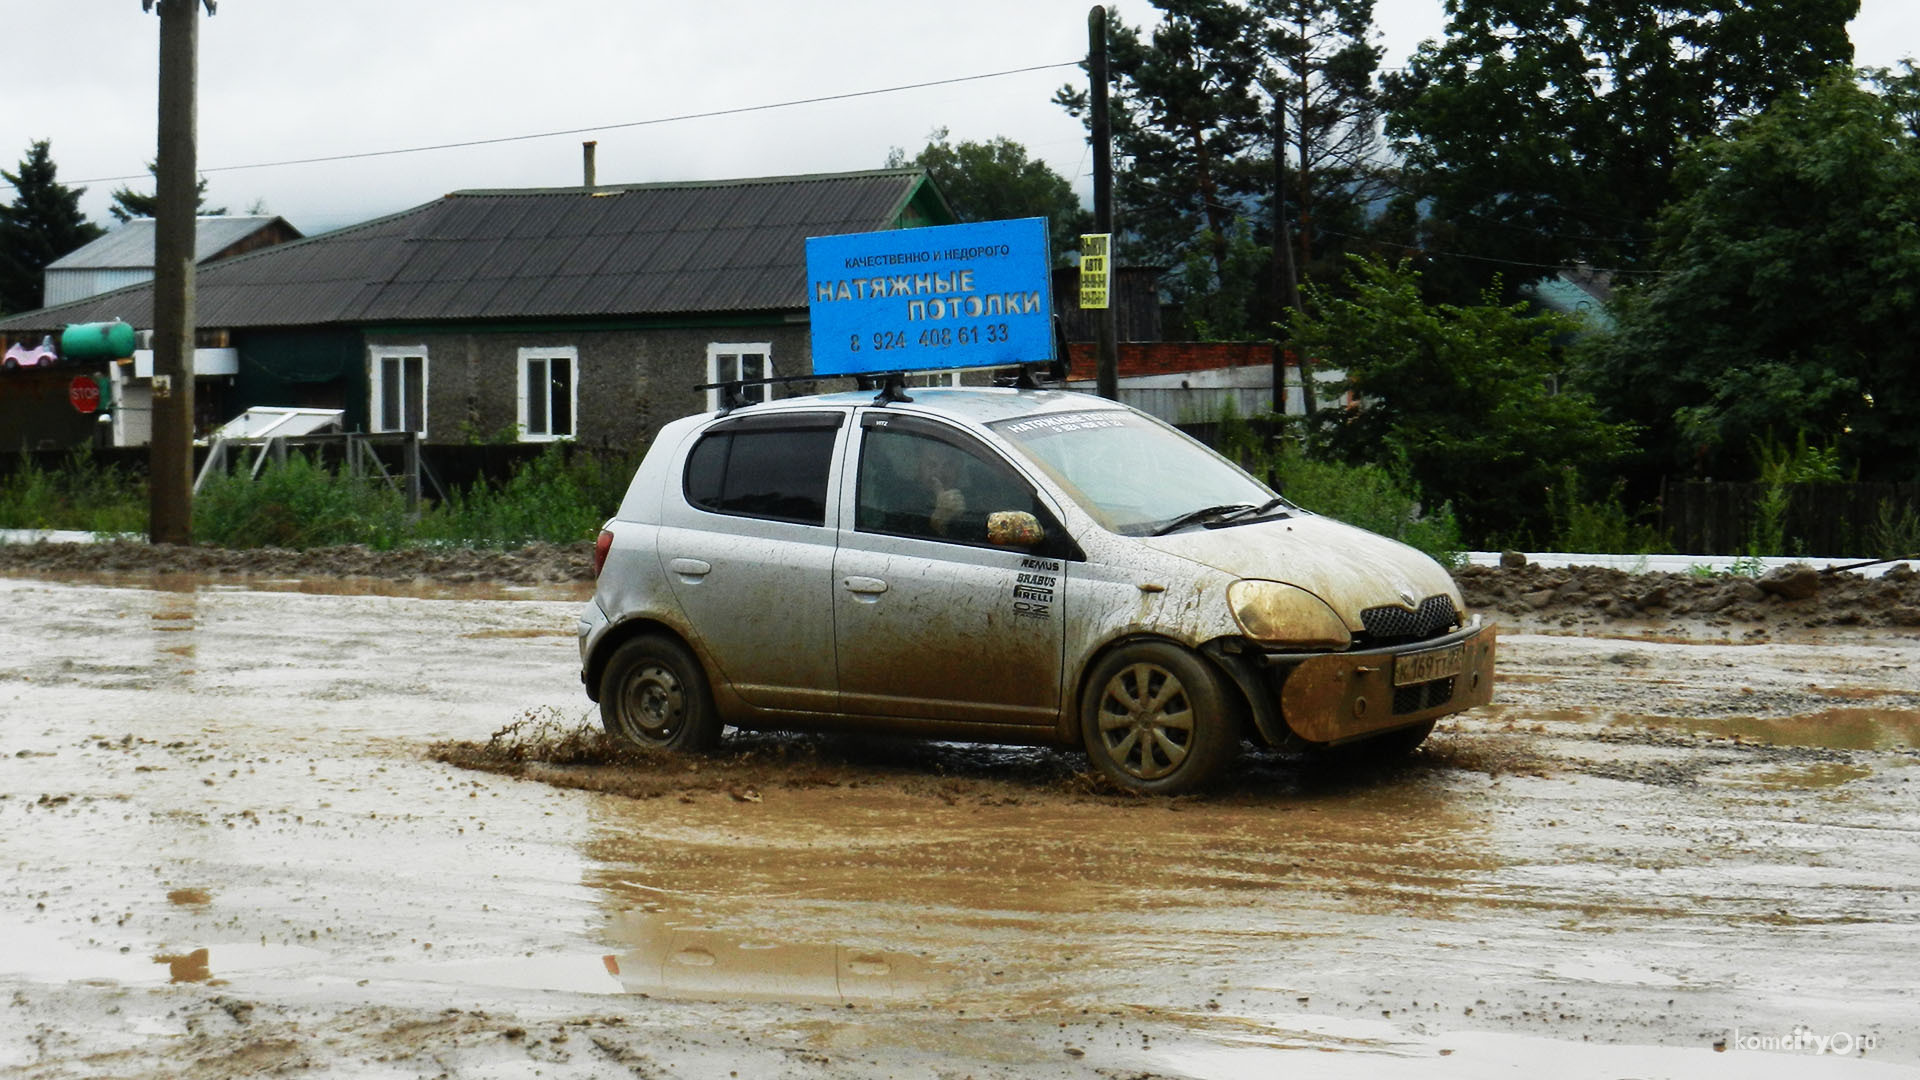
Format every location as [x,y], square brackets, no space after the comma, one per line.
[43,223]
[1200,109]
[1184,110]
[129,204]
[1467,397]
[1320,65]
[1546,132]
[996,180]
[1789,297]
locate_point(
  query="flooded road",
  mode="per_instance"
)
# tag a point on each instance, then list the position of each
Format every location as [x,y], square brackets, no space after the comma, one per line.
[228,851]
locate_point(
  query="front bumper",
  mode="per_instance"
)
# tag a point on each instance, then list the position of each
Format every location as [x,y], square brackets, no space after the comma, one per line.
[1336,697]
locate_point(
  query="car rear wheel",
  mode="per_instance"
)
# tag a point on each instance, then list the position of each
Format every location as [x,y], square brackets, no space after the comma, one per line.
[1157,719]
[655,695]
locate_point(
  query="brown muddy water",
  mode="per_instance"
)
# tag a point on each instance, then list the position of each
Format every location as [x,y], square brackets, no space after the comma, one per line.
[229,849]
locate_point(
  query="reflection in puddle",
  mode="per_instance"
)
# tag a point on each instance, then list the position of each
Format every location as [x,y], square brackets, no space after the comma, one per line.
[667,959]
[1823,774]
[1834,729]
[192,967]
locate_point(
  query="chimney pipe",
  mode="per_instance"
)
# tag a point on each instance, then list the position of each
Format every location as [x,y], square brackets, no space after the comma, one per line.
[586,160]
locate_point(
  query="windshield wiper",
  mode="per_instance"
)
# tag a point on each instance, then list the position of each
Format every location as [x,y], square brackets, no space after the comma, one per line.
[1253,511]
[1201,514]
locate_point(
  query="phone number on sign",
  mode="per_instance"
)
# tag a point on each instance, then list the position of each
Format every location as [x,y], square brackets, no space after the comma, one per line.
[934,337]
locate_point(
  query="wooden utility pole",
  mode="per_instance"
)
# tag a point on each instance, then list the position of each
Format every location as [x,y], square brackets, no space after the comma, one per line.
[1106,345]
[177,197]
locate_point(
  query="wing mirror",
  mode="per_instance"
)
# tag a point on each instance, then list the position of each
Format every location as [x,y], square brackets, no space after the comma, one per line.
[1014,528]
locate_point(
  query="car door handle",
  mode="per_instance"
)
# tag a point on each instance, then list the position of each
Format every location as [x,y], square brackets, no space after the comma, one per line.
[865,585]
[689,567]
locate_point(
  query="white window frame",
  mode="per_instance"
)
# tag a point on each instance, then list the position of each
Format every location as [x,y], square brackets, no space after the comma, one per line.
[723,365]
[571,355]
[376,399]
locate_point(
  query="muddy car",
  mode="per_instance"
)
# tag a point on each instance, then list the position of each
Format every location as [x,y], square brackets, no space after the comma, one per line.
[1013,566]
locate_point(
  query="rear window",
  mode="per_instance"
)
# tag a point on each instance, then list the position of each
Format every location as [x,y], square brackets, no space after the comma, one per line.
[775,473]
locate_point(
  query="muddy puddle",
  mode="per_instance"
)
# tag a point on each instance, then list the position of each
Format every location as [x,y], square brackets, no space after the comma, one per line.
[251,831]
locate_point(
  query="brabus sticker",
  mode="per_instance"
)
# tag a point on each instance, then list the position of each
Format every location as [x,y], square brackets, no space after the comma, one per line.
[1035,587]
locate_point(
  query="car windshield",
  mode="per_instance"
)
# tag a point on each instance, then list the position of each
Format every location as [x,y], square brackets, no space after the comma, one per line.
[1135,475]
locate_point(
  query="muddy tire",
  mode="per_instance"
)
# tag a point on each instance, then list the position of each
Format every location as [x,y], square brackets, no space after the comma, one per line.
[1379,749]
[654,694]
[1158,720]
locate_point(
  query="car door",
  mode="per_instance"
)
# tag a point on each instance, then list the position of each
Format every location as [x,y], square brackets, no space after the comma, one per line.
[933,621]
[746,544]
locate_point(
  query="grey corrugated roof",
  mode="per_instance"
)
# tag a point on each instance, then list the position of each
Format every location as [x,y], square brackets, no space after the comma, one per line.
[130,247]
[647,249]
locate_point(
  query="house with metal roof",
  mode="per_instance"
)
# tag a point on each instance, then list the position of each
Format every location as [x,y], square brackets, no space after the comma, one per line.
[582,313]
[124,256]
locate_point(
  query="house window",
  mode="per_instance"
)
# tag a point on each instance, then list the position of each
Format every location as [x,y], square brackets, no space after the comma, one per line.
[727,362]
[397,381]
[549,391]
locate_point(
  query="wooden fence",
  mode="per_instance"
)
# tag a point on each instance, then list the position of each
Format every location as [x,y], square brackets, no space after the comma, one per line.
[1830,520]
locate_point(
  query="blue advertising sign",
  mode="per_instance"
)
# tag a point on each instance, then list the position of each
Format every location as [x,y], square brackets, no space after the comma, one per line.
[949,296]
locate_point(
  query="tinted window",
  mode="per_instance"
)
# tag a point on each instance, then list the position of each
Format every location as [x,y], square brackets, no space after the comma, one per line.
[914,484]
[762,473]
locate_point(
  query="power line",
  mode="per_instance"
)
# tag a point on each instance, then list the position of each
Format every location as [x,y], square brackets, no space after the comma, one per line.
[603,127]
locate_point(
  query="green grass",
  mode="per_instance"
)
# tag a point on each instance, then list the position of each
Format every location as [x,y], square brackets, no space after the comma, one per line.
[83,494]
[298,503]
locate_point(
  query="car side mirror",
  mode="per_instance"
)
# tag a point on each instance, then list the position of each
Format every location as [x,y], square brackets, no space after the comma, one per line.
[1014,528]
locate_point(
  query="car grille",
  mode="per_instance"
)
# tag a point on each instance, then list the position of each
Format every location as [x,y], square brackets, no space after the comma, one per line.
[1390,623]
[1426,695]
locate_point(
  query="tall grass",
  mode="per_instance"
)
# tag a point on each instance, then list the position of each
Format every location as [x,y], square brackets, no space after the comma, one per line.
[83,494]
[551,498]
[300,503]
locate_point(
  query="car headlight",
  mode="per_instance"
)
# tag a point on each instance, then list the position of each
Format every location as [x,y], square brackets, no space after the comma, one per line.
[1275,613]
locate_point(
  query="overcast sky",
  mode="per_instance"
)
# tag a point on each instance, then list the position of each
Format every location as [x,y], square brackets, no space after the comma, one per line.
[285,79]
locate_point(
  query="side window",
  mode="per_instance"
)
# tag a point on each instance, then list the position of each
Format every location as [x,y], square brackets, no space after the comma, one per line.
[397,388]
[727,362]
[548,393]
[762,473]
[915,484]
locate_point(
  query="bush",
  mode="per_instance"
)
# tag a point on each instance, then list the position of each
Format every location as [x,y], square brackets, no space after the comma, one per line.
[83,495]
[555,498]
[1600,526]
[1370,496]
[298,504]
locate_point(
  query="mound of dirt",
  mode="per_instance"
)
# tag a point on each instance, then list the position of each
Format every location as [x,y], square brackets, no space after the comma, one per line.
[1531,595]
[1798,597]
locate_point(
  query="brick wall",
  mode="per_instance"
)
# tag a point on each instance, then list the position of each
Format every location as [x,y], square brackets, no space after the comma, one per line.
[1171,357]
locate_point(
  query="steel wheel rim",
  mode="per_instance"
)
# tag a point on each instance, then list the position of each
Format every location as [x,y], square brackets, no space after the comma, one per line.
[1146,721]
[652,704]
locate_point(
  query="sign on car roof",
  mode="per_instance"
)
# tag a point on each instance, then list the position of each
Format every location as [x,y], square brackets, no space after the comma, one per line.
[950,296]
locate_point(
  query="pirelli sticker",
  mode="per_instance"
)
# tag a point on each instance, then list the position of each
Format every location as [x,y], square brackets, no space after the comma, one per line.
[1035,588]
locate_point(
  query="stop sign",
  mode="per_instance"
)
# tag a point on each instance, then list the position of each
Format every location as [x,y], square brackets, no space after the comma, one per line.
[84,393]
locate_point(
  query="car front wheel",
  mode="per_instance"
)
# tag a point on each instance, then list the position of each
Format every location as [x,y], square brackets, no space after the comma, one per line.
[655,695]
[1157,720]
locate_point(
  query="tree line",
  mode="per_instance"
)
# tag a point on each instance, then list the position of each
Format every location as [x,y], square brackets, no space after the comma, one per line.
[1741,201]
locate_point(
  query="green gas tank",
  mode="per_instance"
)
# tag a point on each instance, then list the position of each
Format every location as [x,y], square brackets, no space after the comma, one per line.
[96,341]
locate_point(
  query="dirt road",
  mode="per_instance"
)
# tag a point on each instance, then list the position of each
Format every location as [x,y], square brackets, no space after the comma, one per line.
[228,850]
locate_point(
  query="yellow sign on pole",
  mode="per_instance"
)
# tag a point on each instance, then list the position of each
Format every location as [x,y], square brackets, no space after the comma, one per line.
[1096,270]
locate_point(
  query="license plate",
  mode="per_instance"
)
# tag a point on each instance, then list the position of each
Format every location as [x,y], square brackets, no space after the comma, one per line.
[1422,667]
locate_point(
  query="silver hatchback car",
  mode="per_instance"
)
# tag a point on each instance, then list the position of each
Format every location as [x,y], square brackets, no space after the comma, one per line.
[1016,566]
